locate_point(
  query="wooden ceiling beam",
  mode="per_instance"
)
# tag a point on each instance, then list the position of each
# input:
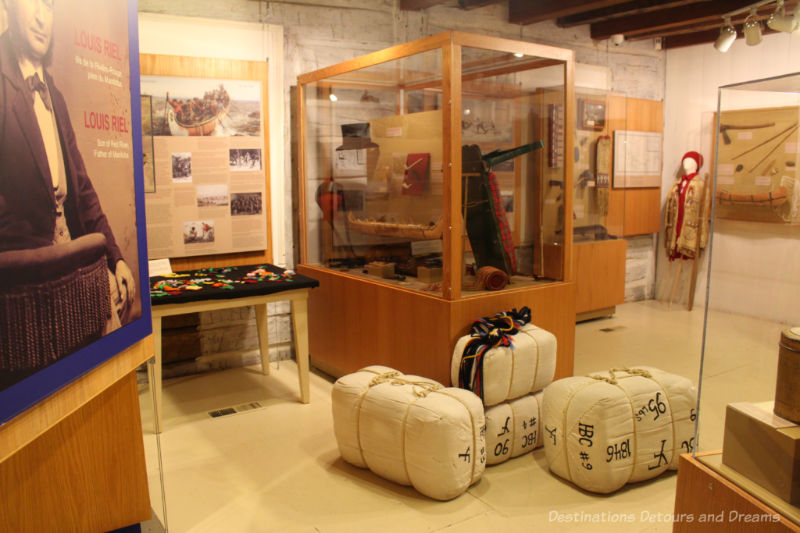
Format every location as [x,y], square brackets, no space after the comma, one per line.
[689,39]
[417,5]
[532,11]
[472,4]
[619,10]
[664,19]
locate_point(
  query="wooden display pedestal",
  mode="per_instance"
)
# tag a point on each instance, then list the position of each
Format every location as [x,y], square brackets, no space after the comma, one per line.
[712,497]
[599,268]
[355,323]
[75,461]
[763,447]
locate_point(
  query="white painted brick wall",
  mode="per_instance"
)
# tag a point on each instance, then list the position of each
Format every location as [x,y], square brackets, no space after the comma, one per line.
[640,268]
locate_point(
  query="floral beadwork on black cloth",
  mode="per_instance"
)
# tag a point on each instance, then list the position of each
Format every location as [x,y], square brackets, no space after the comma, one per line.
[225,282]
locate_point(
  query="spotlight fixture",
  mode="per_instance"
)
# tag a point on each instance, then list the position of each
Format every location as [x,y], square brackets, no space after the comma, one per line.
[752,28]
[332,97]
[727,34]
[780,21]
[517,54]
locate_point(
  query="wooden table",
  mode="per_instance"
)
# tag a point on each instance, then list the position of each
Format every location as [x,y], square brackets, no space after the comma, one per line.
[279,291]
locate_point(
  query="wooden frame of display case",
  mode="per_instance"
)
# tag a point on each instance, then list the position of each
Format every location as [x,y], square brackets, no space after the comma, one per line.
[355,322]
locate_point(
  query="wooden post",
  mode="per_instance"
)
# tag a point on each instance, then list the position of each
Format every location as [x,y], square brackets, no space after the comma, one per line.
[665,286]
[675,282]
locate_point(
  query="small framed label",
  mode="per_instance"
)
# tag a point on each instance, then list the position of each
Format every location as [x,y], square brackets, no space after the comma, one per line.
[159,267]
[726,169]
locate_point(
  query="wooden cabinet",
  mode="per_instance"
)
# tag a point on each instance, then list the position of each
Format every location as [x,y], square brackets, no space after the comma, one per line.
[380,142]
[599,277]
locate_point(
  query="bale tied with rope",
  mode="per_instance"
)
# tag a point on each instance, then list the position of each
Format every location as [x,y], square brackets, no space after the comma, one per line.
[513,428]
[504,357]
[410,430]
[605,430]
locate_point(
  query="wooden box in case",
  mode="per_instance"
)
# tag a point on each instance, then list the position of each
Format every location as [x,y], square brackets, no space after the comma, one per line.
[381,269]
[429,274]
[763,447]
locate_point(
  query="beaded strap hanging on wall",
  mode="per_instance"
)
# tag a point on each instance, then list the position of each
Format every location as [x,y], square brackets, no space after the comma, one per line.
[486,334]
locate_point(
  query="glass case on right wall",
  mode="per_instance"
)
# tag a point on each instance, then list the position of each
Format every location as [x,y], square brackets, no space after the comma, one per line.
[749,394]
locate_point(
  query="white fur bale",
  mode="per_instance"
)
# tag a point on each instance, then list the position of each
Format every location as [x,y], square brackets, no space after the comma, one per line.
[410,430]
[509,372]
[603,431]
[513,428]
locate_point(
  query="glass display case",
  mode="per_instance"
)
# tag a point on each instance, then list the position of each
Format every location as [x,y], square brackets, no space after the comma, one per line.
[599,252]
[435,176]
[599,115]
[752,298]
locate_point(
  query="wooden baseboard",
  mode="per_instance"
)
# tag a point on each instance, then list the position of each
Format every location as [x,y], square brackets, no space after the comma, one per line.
[598,313]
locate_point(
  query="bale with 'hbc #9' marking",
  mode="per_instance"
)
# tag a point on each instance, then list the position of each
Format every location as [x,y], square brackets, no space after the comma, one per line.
[603,431]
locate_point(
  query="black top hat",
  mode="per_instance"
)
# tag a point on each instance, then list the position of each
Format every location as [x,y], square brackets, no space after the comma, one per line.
[356,136]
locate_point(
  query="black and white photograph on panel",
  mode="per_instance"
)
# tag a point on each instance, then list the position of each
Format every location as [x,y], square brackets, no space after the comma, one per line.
[212,195]
[245,159]
[245,203]
[182,167]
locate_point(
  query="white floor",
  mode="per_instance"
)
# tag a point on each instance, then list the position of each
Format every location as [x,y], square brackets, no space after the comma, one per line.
[277,468]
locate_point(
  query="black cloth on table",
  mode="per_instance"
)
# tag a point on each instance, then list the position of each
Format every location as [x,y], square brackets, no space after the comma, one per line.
[240,290]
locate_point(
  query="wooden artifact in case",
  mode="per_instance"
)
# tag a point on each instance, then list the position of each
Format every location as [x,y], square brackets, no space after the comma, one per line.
[763,447]
[787,387]
[405,201]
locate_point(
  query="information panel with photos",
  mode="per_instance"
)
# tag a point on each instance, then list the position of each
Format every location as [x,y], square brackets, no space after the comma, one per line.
[209,162]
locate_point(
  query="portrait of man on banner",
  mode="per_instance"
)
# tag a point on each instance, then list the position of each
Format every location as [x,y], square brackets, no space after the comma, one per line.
[69,261]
